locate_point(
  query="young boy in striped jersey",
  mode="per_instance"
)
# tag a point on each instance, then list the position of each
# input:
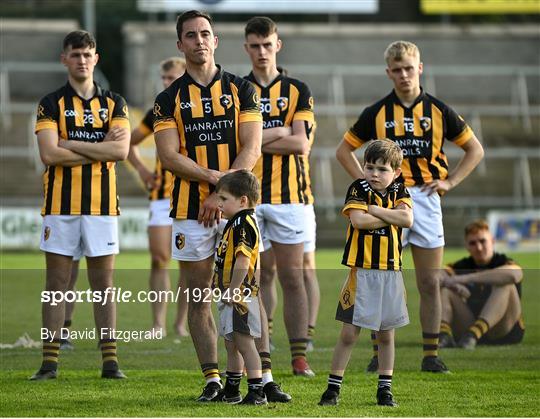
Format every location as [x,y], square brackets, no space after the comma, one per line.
[236,263]
[373,296]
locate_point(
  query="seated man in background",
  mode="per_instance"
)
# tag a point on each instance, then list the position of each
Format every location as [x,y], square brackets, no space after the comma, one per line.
[481,295]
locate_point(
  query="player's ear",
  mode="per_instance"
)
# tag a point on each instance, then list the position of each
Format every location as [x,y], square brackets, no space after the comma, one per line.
[179,46]
[278,45]
[216,41]
[397,172]
[244,200]
[96,59]
[420,67]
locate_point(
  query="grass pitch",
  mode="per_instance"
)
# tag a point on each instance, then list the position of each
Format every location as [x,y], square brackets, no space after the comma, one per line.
[164,376]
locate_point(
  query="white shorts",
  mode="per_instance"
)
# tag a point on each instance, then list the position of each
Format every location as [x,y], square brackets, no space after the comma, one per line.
[373,299]
[192,242]
[427,230]
[159,213]
[232,320]
[80,235]
[281,223]
[311,228]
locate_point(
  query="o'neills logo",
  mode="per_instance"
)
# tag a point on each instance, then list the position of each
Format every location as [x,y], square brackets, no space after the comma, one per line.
[46,233]
[180,241]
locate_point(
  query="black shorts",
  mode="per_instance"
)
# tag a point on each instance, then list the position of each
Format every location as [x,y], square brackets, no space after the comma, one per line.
[512,337]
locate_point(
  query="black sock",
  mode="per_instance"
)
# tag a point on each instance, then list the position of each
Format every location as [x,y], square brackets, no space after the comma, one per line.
[385,381]
[334,382]
[255,384]
[232,385]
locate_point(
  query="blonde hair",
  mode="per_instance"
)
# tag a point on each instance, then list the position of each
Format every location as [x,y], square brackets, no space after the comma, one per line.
[172,62]
[386,150]
[476,226]
[398,49]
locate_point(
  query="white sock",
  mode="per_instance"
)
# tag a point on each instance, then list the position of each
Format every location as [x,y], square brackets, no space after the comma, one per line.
[215,380]
[267,377]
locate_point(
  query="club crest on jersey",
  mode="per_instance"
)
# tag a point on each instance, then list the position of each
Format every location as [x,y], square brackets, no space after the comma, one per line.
[180,241]
[425,123]
[103,114]
[243,234]
[157,110]
[346,299]
[222,248]
[46,233]
[282,103]
[256,98]
[226,101]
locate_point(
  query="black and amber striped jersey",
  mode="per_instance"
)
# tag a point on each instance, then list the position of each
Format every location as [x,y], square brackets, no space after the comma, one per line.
[481,292]
[162,190]
[283,101]
[379,248]
[88,189]
[241,235]
[307,192]
[420,131]
[208,120]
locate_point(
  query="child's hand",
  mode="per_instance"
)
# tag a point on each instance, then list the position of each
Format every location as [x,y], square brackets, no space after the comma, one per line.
[231,295]
[226,298]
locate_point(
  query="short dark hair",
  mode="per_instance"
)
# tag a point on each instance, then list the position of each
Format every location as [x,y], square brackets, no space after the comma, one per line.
[240,183]
[190,14]
[260,25]
[79,39]
[385,150]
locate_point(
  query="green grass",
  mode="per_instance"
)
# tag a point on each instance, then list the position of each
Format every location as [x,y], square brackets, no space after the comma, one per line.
[164,376]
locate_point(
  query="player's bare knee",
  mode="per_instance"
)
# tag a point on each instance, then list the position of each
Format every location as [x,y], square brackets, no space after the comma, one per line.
[198,307]
[268,275]
[428,286]
[349,335]
[160,261]
[292,285]
[384,337]
[57,283]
